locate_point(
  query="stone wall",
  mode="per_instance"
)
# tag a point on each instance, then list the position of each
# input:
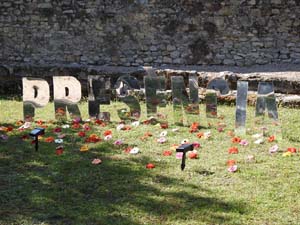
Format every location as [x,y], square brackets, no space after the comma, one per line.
[150,32]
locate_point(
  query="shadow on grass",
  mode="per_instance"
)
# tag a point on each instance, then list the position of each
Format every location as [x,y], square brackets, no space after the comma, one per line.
[42,188]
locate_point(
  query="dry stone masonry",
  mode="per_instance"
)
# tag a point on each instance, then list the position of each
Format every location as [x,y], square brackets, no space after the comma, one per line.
[150,32]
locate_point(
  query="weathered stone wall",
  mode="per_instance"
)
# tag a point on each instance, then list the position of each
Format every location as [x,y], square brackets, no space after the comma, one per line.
[150,32]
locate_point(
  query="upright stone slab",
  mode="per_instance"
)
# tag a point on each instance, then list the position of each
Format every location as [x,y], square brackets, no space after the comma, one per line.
[192,110]
[155,88]
[126,86]
[266,101]
[99,88]
[241,107]
[181,100]
[211,103]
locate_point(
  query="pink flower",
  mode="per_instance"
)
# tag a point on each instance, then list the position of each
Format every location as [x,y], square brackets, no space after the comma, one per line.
[273,149]
[220,129]
[196,144]
[96,161]
[244,142]
[161,140]
[179,155]
[232,168]
[118,142]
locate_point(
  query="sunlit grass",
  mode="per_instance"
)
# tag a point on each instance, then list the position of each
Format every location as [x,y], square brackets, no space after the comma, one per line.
[43,188]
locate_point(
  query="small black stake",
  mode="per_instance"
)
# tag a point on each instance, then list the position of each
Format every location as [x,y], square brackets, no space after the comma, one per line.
[184,149]
[35,133]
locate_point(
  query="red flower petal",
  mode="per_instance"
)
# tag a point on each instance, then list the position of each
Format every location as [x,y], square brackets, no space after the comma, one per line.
[150,166]
[193,155]
[233,150]
[167,153]
[292,150]
[231,162]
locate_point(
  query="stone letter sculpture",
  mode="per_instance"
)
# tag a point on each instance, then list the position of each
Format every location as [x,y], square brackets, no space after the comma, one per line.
[36,94]
[182,99]
[67,93]
[99,88]
[125,87]
[155,87]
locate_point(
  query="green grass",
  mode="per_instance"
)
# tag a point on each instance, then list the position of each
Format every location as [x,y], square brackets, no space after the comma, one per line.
[43,188]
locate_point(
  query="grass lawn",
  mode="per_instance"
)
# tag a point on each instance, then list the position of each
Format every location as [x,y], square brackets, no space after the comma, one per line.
[45,188]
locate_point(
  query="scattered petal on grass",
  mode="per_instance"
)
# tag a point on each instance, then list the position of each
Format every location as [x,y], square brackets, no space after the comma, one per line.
[128,149]
[84,148]
[61,136]
[193,155]
[26,125]
[220,129]
[118,142]
[292,150]
[236,140]
[250,158]
[231,162]
[259,141]
[150,166]
[200,135]
[107,137]
[161,140]
[120,127]
[196,144]
[49,139]
[194,127]
[81,134]
[58,141]
[244,142]
[287,154]
[164,125]
[76,126]
[25,137]
[167,153]
[163,134]
[232,168]
[3,137]
[207,135]
[57,130]
[134,150]
[93,138]
[96,161]
[86,127]
[19,122]
[230,133]
[271,138]
[135,123]
[175,129]
[59,150]
[233,150]
[107,133]
[273,149]
[256,136]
